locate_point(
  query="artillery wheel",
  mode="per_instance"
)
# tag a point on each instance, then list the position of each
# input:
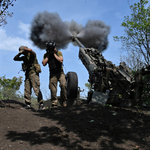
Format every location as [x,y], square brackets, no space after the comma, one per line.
[72,87]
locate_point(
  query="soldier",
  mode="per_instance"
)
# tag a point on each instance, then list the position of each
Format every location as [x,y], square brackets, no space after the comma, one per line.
[54,59]
[32,69]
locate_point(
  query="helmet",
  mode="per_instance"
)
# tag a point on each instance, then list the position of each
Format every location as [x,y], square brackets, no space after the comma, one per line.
[50,44]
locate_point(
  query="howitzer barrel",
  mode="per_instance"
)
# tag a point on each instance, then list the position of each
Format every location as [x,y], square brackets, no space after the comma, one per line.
[78,42]
[84,57]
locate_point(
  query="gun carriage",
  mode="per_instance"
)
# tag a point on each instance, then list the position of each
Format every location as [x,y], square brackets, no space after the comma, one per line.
[109,83]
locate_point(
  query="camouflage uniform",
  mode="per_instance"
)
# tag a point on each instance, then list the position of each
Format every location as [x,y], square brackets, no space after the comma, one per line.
[32,81]
[56,74]
[31,78]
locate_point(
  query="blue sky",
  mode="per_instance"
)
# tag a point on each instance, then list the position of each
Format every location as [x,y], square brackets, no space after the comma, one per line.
[17,32]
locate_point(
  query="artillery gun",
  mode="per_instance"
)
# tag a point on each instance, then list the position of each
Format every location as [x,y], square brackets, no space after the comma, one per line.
[109,83]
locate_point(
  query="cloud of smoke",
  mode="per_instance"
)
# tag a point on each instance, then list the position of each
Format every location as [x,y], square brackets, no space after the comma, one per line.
[94,34]
[74,27]
[49,26]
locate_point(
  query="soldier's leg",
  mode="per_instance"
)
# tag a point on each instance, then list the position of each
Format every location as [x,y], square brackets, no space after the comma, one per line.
[53,89]
[34,78]
[27,91]
[62,81]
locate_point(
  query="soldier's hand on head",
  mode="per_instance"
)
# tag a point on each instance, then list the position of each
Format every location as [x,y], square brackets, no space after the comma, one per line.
[25,48]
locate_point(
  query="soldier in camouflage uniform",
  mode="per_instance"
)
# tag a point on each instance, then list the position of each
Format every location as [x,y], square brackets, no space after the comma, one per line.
[31,75]
[54,59]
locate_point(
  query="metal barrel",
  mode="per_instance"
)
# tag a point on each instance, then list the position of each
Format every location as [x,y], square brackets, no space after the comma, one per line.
[78,42]
[84,57]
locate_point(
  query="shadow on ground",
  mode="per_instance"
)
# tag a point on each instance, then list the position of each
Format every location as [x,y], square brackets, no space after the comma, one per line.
[82,127]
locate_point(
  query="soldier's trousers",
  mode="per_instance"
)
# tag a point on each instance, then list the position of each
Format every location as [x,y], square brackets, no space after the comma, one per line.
[32,81]
[53,87]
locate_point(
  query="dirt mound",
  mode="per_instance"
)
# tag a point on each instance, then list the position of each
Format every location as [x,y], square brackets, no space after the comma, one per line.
[80,127]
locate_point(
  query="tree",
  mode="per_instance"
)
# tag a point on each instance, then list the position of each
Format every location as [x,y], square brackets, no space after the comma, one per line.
[9,87]
[136,40]
[4,4]
[132,59]
[88,85]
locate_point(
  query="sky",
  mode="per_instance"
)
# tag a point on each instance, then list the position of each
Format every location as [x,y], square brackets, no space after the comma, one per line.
[18,29]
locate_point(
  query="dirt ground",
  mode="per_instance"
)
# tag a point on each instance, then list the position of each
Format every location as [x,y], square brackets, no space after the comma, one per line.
[80,127]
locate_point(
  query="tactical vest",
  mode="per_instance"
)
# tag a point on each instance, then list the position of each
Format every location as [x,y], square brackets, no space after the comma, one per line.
[54,65]
[28,64]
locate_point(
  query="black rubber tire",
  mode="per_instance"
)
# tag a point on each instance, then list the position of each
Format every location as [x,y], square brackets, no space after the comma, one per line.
[72,84]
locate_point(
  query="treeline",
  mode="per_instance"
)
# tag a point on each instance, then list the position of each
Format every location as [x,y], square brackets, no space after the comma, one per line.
[9,88]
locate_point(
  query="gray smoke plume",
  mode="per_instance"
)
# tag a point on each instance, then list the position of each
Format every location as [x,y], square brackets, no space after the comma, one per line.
[49,26]
[94,34]
[74,27]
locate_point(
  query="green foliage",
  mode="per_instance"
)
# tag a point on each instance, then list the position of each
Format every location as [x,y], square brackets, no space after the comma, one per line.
[137,31]
[4,4]
[88,85]
[9,87]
